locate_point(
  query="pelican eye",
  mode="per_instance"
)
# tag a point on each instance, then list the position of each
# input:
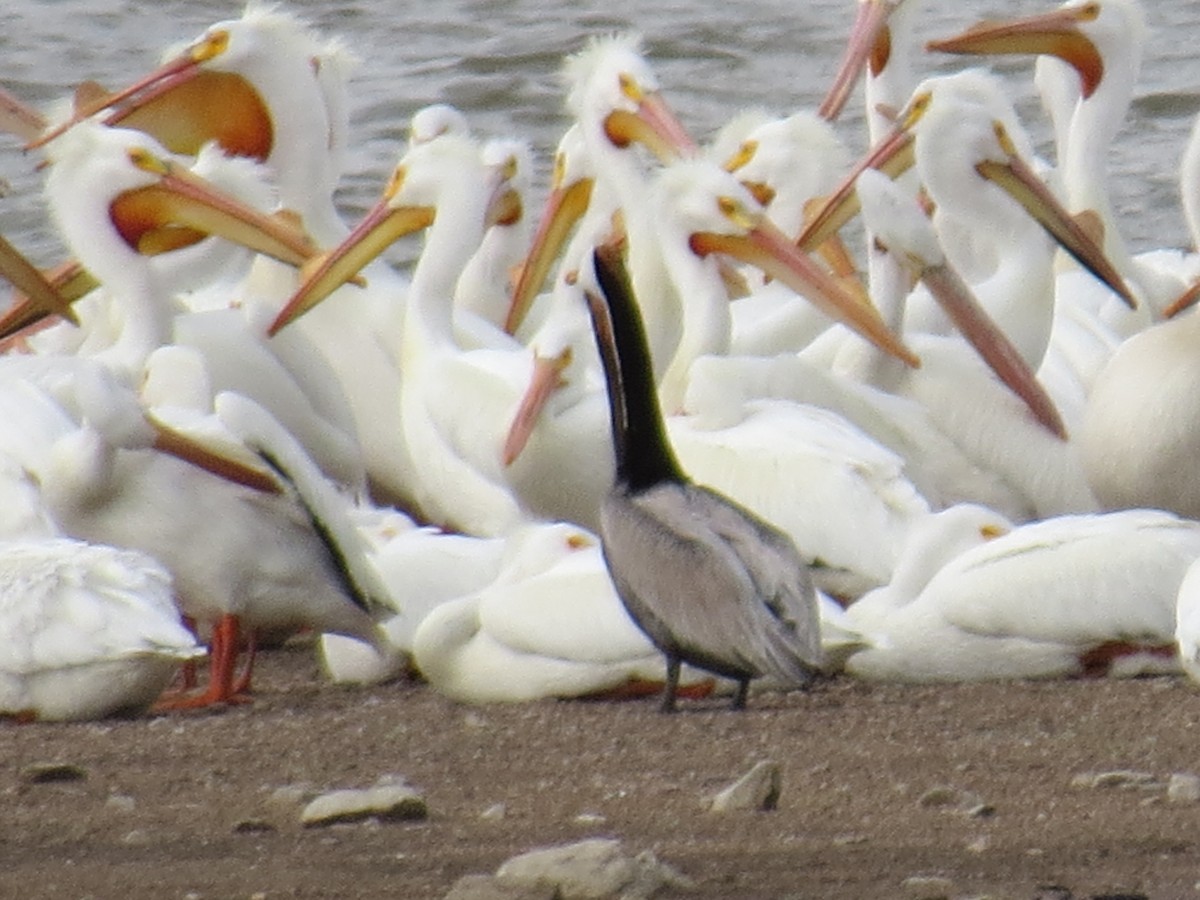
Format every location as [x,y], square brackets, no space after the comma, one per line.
[1006,142]
[630,88]
[560,171]
[395,182]
[147,161]
[744,154]
[916,109]
[508,171]
[211,45]
[735,212]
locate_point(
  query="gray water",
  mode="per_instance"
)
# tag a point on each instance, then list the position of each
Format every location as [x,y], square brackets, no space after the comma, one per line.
[500,61]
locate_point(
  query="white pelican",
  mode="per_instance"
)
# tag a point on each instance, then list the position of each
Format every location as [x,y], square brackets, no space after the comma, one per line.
[1102,41]
[265,86]
[454,403]
[1187,621]
[616,100]
[87,630]
[239,556]
[1140,430]
[1072,595]
[117,196]
[709,582]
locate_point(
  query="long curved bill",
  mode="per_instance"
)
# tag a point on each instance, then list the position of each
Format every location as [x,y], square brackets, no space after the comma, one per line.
[1020,182]
[546,379]
[564,208]
[184,105]
[769,249]
[379,229]
[1055,33]
[43,297]
[894,155]
[1184,301]
[19,119]
[189,449]
[183,208]
[868,40]
[654,125]
[992,344]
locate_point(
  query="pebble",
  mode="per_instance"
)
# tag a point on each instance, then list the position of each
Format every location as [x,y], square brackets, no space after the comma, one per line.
[252,826]
[758,789]
[389,802]
[494,813]
[956,800]
[595,869]
[1120,778]
[52,773]
[928,887]
[1183,787]
[120,803]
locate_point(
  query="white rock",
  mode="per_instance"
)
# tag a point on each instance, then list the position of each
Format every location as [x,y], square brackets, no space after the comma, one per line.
[386,801]
[757,789]
[590,870]
[1183,787]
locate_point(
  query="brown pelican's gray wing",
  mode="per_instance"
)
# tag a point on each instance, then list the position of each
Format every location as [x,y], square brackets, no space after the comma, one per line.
[664,537]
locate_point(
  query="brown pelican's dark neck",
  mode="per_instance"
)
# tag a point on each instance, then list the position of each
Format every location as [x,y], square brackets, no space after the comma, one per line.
[643,453]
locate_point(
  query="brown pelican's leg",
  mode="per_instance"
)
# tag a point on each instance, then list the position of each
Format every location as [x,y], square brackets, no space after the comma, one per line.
[739,696]
[668,700]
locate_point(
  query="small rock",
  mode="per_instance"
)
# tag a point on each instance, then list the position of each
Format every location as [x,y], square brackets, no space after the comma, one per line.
[757,789]
[136,838]
[1183,788]
[252,826]
[486,887]
[979,845]
[590,870]
[388,802]
[120,803]
[494,813]
[1120,778]
[49,773]
[589,819]
[928,887]
[955,800]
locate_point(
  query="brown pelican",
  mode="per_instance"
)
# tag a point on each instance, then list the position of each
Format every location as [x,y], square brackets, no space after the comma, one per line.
[710,583]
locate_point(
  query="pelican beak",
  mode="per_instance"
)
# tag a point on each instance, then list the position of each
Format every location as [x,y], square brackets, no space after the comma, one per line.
[652,124]
[1054,33]
[182,446]
[1019,181]
[184,106]
[760,243]
[382,226]
[1186,300]
[546,379]
[564,208]
[183,208]
[992,344]
[894,155]
[44,298]
[19,119]
[70,281]
[869,40]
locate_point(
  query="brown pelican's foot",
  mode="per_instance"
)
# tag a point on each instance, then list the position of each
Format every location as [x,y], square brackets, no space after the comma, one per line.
[739,696]
[672,685]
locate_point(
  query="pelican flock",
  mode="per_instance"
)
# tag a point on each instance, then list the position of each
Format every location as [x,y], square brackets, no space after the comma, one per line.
[955,441]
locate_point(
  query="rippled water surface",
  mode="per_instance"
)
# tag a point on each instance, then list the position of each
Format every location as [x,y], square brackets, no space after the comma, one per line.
[499,61]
